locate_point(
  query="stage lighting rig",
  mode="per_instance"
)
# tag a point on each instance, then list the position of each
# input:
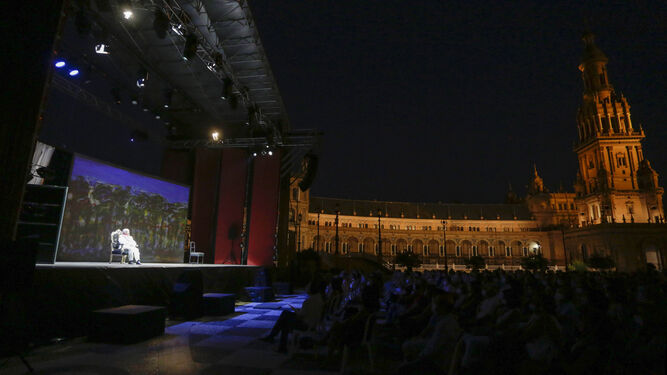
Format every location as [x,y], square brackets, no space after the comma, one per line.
[142,77]
[73,72]
[126,8]
[60,63]
[190,48]
[102,49]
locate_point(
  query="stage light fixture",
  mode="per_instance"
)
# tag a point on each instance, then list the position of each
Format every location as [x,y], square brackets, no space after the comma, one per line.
[270,152]
[144,108]
[190,48]
[160,23]
[211,66]
[60,63]
[102,49]
[127,14]
[177,29]
[134,100]
[215,135]
[73,72]
[157,116]
[142,77]
[254,154]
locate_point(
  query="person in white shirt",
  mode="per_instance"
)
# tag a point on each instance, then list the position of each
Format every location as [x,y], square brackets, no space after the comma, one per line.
[131,245]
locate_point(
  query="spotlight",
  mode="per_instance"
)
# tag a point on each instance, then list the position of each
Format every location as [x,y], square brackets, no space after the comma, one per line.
[270,152]
[115,94]
[215,135]
[142,77]
[160,24]
[73,72]
[60,63]
[144,108]
[134,100]
[157,116]
[103,49]
[126,7]
[190,48]
[177,29]
[254,154]
[211,67]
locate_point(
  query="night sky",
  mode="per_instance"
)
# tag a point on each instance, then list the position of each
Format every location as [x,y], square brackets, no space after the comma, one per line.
[449,101]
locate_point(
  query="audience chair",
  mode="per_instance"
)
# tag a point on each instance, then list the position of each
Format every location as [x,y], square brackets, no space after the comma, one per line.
[117,248]
[198,255]
[366,342]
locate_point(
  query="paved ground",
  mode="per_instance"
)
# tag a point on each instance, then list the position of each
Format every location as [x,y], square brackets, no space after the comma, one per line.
[212,345]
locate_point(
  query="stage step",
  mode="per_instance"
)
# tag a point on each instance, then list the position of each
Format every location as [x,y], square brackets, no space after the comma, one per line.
[259,293]
[217,304]
[127,324]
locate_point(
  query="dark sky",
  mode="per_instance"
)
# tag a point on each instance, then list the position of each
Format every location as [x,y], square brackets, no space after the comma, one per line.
[450,101]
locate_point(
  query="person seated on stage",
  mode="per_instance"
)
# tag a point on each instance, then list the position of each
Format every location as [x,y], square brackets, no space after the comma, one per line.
[131,245]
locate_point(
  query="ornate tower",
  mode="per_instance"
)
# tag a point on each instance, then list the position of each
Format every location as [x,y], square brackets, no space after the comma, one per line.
[615,182]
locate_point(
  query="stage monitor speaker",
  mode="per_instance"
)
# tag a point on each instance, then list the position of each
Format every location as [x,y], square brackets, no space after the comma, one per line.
[311,170]
[186,298]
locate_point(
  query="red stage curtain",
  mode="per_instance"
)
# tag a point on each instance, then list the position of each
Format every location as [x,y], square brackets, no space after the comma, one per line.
[231,198]
[264,210]
[177,165]
[207,168]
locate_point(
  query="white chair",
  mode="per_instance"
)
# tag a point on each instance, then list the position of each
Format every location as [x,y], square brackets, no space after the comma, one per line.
[198,255]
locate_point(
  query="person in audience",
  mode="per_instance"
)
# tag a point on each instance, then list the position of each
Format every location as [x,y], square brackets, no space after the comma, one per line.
[306,318]
[130,244]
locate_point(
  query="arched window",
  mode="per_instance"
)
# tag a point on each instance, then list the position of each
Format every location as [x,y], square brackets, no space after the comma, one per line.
[474,250]
[491,251]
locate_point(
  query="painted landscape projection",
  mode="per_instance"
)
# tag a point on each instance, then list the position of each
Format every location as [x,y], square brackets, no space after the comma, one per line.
[103,198]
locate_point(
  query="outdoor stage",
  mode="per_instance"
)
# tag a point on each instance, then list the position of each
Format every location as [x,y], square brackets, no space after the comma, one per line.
[63,294]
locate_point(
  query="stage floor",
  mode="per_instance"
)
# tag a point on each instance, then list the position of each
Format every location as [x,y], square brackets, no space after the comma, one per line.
[63,294]
[106,265]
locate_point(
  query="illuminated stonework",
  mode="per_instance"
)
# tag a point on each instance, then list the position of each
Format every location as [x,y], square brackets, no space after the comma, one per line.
[616,209]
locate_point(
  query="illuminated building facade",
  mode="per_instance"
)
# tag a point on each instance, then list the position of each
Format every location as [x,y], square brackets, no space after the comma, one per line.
[616,209]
